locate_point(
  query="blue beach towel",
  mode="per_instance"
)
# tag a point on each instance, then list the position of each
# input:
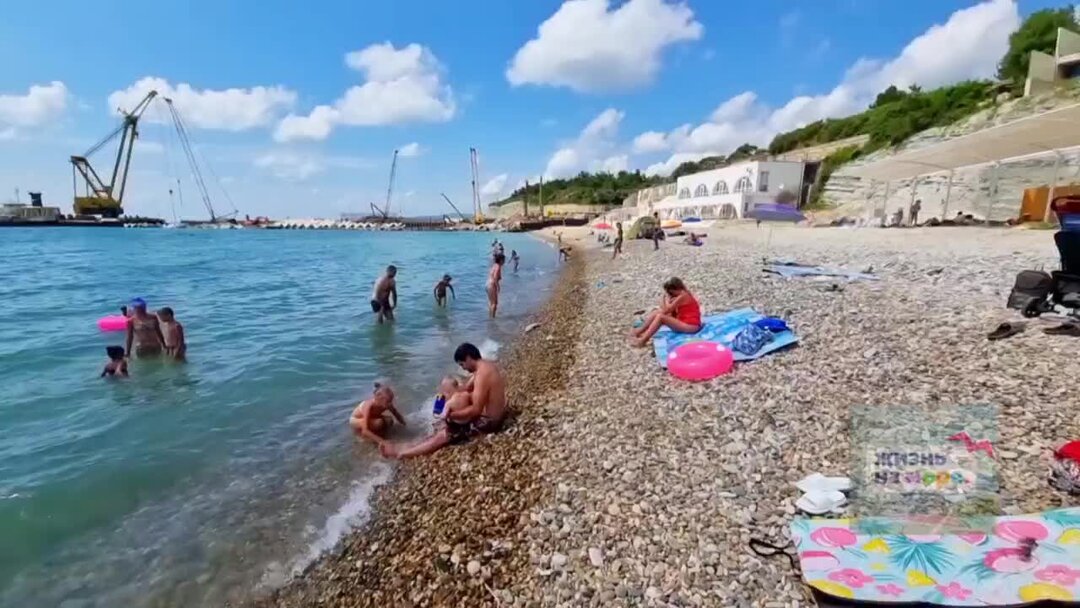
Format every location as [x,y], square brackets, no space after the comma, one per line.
[722,328]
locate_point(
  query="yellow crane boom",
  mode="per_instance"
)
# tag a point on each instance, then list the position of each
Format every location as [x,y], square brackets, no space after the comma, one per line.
[101,197]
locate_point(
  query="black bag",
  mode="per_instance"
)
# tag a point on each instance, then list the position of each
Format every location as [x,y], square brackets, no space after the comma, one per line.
[1030,285]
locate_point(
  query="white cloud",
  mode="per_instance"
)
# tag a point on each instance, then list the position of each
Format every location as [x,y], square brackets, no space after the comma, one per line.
[40,105]
[591,150]
[966,46]
[316,125]
[401,86]
[590,47]
[614,164]
[411,150]
[494,188]
[232,109]
[650,141]
[291,165]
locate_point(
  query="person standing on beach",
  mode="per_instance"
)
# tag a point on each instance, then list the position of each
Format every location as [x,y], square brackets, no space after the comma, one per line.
[618,240]
[656,232]
[913,212]
[493,283]
[482,413]
[385,287]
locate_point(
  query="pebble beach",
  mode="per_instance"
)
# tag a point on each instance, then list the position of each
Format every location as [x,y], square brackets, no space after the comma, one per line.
[617,485]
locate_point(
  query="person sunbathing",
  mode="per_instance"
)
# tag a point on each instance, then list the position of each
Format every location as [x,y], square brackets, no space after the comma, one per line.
[679,311]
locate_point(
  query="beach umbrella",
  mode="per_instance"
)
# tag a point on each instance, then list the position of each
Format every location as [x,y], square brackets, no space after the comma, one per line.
[670,224]
[774,212]
[602,226]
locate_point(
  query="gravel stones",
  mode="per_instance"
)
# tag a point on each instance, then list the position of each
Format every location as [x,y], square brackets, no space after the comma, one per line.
[617,485]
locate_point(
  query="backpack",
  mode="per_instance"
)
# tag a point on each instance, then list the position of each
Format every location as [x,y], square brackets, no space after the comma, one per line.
[1030,285]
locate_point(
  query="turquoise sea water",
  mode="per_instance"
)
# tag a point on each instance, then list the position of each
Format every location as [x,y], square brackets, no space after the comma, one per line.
[194,484]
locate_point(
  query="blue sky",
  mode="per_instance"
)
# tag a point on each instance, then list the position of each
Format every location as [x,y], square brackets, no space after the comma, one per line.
[297,107]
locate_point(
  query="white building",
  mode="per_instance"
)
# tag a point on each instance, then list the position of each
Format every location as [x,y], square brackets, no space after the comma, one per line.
[729,192]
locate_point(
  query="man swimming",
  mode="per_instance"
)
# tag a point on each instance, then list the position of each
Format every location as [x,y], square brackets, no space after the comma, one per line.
[440,290]
[482,413]
[385,287]
[372,417]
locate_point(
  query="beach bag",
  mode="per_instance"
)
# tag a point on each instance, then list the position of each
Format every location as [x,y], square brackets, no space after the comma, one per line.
[1030,285]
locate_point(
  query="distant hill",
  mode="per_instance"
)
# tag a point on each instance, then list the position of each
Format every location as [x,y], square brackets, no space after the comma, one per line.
[586,188]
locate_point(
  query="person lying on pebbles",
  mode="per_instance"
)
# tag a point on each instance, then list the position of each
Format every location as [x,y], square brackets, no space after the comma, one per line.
[679,311]
[373,418]
[478,409]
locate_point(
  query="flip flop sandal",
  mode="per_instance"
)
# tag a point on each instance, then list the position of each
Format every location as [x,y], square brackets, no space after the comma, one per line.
[1004,331]
[1065,329]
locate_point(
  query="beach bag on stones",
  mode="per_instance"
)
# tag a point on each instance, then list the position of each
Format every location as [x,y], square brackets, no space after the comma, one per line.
[1030,285]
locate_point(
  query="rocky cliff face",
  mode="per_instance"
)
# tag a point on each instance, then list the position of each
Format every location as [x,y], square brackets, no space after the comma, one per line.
[979,190]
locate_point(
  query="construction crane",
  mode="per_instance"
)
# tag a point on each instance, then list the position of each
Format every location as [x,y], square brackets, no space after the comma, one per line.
[385,210]
[106,198]
[452,205]
[474,160]
[196,174]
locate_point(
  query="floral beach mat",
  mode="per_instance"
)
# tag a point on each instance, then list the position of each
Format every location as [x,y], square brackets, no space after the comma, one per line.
[721,328]
[1018,561]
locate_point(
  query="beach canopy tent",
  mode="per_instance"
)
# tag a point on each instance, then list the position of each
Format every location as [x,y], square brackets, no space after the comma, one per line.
[1027,136]
[644,224]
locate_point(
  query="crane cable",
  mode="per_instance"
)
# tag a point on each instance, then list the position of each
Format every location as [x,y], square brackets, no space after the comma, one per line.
[185,142]
[169,142]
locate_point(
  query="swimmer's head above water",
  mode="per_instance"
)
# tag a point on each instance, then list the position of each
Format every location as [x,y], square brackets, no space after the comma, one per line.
[116,353]
[138,304]
[391,271]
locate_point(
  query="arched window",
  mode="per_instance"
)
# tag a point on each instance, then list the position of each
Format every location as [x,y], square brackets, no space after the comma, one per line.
[701,190]
[684,193]
[744,185]
[720,187]
[727,212]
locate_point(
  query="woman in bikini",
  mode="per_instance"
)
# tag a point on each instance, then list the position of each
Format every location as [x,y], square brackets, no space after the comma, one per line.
[679,311]
[494,277]
[144,331]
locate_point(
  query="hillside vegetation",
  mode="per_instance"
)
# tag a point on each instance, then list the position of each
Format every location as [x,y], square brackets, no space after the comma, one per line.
[895,115]
[586,188]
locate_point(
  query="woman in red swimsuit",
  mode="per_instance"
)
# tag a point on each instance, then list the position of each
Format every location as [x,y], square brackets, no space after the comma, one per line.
[679,311]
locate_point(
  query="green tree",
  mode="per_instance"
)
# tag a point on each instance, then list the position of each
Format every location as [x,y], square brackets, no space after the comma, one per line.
[1037,33]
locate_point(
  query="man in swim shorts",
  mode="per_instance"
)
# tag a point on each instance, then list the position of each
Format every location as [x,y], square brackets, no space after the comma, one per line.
[374,417]
[483,413]
[385,287]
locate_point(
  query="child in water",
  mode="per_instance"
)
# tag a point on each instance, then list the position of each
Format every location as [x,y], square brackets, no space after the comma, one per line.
[117,364]
[515,259]
[440,290]
[173,331]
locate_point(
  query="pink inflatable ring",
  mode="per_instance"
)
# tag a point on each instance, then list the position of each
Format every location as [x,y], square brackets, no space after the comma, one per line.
[112,323]
[697,361]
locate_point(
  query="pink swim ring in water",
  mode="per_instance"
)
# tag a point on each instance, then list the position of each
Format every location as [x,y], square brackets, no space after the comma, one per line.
[112,323]
[697,361]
